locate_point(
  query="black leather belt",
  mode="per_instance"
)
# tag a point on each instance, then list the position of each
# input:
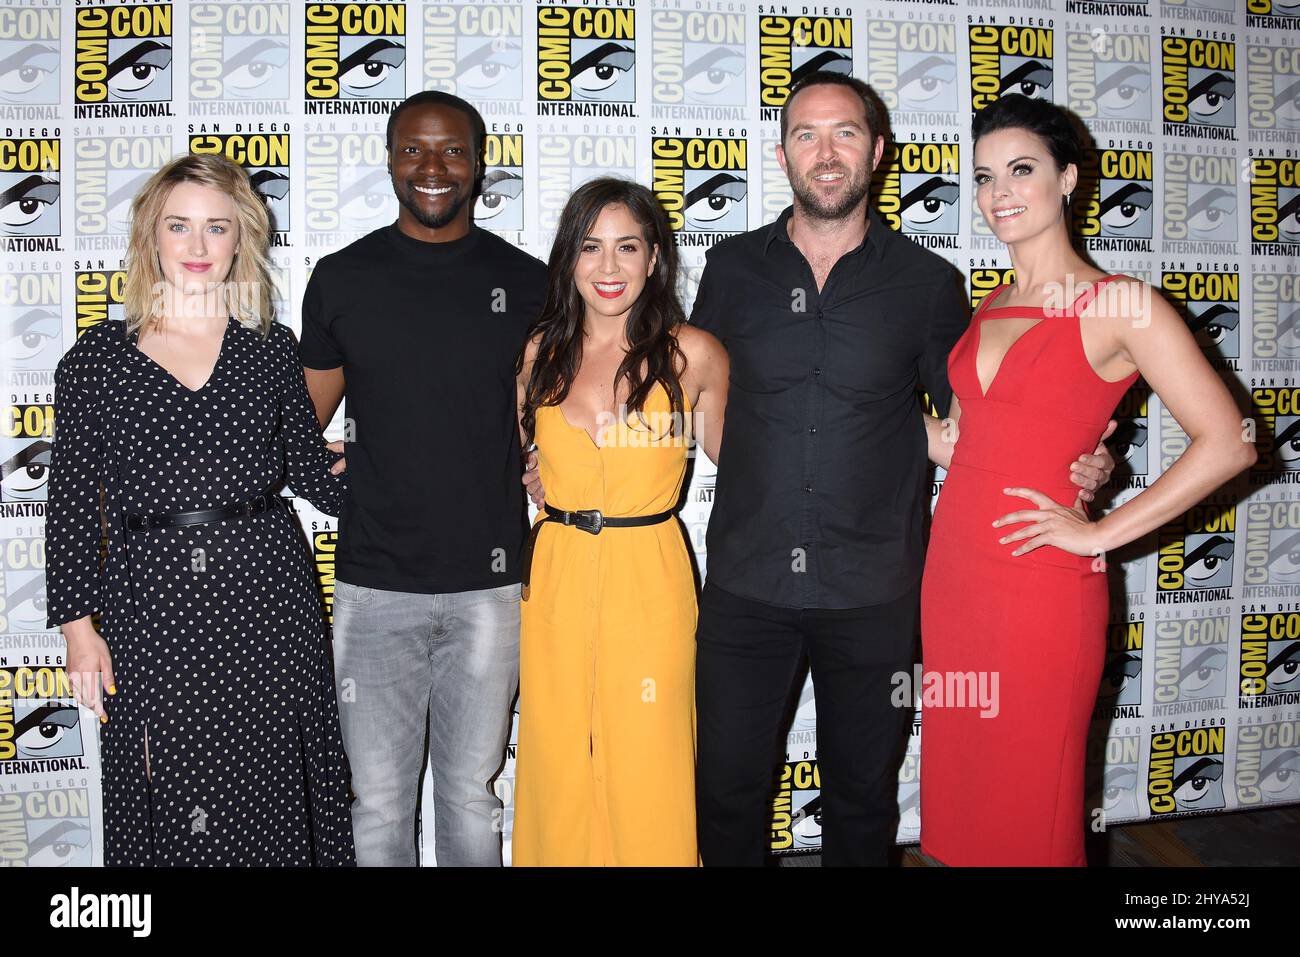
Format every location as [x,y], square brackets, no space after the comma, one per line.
[138,522]
[588,520]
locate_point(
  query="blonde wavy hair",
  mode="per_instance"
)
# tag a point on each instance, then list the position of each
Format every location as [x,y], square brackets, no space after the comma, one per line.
[247,291]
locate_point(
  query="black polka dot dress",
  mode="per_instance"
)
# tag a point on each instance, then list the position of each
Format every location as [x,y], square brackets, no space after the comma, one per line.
[219,647]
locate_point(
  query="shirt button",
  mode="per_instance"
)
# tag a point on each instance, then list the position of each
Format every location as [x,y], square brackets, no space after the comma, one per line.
[807,488]
[817,371]
[812,430]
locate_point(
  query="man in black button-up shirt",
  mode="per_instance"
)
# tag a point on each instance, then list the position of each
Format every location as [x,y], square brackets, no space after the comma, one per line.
[815,542]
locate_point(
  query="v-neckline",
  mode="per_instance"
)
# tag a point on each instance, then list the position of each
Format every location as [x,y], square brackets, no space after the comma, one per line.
[221,352]
[979,338]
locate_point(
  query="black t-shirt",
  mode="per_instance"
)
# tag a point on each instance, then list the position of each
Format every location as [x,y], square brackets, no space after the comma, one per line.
[427,335]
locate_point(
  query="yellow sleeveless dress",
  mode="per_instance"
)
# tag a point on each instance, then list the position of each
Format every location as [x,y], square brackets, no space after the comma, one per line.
[605,770]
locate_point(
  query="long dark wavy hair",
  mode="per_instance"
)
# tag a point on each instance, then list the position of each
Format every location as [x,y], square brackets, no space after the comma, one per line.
[650,322]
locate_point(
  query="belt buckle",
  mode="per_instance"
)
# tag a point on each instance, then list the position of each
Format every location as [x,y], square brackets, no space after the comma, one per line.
[594,521]
[250,508]
[136,522]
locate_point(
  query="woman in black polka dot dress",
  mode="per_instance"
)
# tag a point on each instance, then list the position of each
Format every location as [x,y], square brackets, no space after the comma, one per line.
[221,742]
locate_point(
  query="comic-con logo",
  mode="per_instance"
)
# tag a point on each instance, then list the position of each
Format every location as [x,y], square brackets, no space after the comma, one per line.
[48,827]
[1108,76]
[984,279]
[1266,769]
[474,51]
[1275,316]
[1200,206]
[699,58]
[108,173]
[913,66]
[1009,59]
[500,205]
[324,544]
[796,809]
[123,54]
[1190,661]
[1112,201]
[1199,87]
[29,187]
[266,158]
[355,51]
[1117,755]
[701,183]
[1273,14]
[1129,443]
[1270,657]
[347,185]
[1273,86]
[1277,432]
[1186,770]
[238,52]
[586,54]
[1121,683]
[567,160]
[1195,559]
[1272,547]
[29,55]
[31,330]
[917,189]
[1274,206]
[44,718]
[98,295]
[790,48]
[1211,305]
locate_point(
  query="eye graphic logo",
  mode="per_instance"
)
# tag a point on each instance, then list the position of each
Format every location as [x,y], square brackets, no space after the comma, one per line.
[1108,75]
[1277,437]
[49,827]
[500,206]
[1186,771]
[1200,87]
[1116,757]
[1273,86]
[1270,656]
[1129,443]
[1112,203]
[31,327]
[1009,59]
[1195,560]
[790,48]
[265,156]
[586,54]
[29,187]
[702,184]
[109,172]
[1275,317]
[45,718]
[1210,304]
[29,55]
[1121,682]
[99,296]
[123,54]
[913,66]
[348,187]
[1200,206]
[918,188]
[1267,765]
[1190,661]
[699,58]
[1274,206]
[476,52]
[238,52]
[25,473]
[355,51]
[1272,547]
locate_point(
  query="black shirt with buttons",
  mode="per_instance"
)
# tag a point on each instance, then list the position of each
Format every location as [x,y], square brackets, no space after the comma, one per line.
[821,476]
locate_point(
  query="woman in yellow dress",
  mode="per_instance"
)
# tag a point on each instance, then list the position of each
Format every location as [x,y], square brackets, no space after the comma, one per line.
[613,388]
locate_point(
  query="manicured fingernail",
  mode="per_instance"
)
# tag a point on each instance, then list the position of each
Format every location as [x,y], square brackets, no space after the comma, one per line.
[103,719]
[1002,541]
[112,689]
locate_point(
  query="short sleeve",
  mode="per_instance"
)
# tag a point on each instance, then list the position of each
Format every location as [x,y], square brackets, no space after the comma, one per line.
[707,309]
[307,460]
[318,348]
[73,529]
[949,315]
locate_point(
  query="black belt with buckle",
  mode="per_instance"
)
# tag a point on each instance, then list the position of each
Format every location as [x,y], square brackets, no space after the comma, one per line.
[588,520]
[139,522]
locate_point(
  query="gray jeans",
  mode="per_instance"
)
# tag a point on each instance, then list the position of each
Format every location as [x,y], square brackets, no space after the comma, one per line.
[407,665]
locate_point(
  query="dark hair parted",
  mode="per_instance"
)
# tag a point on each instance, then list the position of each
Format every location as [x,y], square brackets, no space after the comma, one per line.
[1047,121]
[439,98]
[650,322]
[877,119]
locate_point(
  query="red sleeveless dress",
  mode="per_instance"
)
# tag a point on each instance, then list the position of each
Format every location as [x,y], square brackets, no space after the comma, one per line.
[1007,788]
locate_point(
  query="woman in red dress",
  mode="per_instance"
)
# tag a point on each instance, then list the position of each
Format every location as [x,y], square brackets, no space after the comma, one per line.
[1015,585]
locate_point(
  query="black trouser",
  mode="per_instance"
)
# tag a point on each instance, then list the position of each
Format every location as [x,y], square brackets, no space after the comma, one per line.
[747,657]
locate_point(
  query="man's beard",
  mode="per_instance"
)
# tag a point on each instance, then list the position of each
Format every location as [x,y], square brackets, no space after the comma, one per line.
[814,207]
[407,200]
